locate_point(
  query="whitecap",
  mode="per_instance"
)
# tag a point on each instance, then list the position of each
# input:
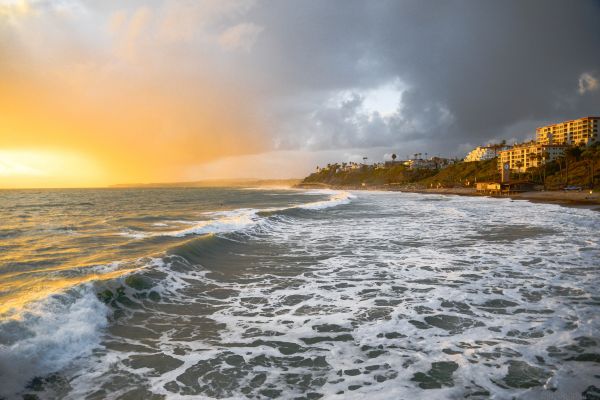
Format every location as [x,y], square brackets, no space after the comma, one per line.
[243,218]
[335,199]
[229,221]
[48,336]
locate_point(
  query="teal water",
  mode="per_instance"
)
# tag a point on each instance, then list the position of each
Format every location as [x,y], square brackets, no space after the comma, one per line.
[244,293]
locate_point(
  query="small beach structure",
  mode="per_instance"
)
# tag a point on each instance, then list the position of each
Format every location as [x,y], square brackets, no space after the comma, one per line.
[504,188]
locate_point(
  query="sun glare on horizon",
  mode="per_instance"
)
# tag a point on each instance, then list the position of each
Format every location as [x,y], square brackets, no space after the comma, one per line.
[25,168]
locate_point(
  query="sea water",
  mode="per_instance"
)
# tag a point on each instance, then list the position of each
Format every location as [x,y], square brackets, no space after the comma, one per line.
[244,293]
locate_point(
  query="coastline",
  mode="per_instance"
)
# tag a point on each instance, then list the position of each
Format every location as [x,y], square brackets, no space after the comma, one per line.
[573,199]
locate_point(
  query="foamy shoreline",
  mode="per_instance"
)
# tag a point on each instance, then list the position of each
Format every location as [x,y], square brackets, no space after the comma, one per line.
[551,196]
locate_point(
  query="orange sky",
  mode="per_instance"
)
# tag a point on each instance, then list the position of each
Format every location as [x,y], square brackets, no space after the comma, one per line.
[113,97]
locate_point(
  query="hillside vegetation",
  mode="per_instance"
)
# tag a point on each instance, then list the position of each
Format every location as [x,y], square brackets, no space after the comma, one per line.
[368,175]
[579,167]
[398,175]
[463,174]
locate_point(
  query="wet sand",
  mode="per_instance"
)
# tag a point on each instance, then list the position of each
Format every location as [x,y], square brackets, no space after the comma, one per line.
[549,196]
[583,198]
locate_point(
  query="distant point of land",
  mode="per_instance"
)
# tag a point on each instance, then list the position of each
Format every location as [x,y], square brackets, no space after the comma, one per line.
[273,183]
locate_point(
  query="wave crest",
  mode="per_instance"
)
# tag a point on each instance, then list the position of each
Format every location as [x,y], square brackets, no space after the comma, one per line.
[243,218]
[48,336]
[336,199]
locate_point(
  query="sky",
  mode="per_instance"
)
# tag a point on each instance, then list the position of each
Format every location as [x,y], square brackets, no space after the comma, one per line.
[95,93]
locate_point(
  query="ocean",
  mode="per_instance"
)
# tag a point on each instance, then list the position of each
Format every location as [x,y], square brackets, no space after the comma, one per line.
[295,294]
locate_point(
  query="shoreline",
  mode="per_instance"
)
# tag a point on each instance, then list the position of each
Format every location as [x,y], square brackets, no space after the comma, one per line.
[571,199]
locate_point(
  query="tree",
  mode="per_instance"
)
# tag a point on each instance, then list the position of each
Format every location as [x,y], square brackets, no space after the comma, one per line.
[559,160]
[574,153]
[394,156]
[545,159]
[589,155]
[571,154]
[538,159]
[519,165]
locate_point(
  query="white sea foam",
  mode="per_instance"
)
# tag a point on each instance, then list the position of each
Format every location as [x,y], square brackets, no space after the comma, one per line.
[134,234]
[48,336]
[431,255]
[335,199]
[516,281]
[229,221]
[243,218]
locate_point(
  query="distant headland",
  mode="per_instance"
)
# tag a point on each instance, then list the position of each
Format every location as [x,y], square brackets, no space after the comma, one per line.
[216,183]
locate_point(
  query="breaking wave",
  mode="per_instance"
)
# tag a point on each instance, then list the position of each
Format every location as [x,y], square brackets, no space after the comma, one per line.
[48,336]
[243,218]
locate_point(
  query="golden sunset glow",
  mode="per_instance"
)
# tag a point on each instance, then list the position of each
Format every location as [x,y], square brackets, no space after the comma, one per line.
[42,288]
[116,101]
[49,168]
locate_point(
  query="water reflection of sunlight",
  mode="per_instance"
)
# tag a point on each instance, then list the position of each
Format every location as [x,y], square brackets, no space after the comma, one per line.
[18,294]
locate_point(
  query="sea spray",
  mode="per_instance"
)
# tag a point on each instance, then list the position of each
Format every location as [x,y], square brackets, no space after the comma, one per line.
[48,335]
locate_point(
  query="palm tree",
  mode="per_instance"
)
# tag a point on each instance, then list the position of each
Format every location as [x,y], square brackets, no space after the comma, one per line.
[519,165]
[572,153]
[538,164]
[559,160]
[589,155]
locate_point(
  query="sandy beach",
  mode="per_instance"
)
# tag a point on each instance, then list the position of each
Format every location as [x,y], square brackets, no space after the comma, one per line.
[551,196]
[583,198]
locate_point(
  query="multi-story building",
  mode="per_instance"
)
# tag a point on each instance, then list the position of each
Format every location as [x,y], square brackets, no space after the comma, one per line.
[480,153]
[527,155]
[577,132]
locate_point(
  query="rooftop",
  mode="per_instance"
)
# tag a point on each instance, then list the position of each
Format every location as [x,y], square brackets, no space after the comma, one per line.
[568,121]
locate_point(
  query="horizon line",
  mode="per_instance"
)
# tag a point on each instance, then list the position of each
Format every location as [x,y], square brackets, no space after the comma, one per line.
[151,185]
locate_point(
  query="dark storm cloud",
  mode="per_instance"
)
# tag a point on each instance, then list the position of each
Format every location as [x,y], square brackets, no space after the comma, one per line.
[471,71]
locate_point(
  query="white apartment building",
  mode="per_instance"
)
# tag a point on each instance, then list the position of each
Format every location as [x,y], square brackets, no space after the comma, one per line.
[480,153]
